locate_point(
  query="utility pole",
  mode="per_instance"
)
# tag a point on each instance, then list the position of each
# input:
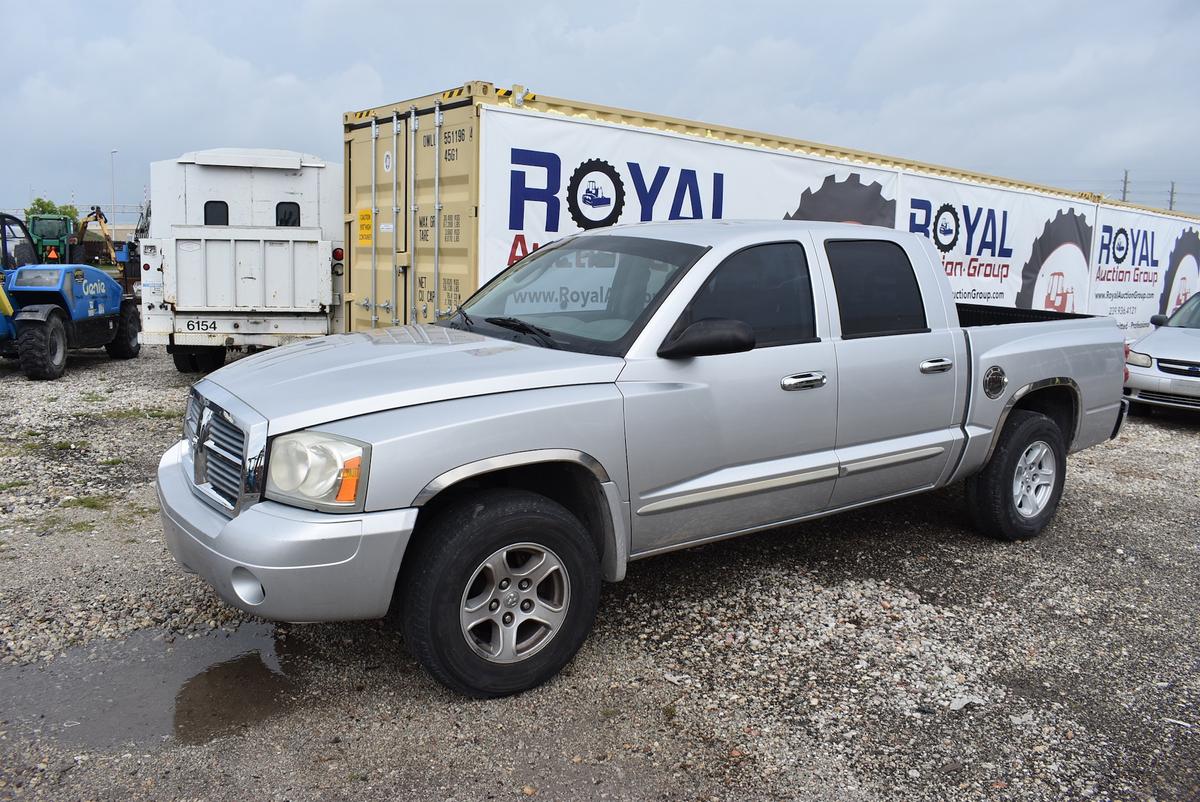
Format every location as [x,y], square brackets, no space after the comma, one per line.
[1171,202]
[1125,186]
[112,177]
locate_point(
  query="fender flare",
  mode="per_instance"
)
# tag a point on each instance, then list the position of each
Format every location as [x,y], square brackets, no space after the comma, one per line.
[1041,384]
[617,533]
[38,313]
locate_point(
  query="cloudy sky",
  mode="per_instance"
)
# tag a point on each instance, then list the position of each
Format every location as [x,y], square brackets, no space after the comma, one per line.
[1065,93]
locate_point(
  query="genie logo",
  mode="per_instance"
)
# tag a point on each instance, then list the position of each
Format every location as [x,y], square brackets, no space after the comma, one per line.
[1135,244]
[94,288]
[986,228]
[596,193]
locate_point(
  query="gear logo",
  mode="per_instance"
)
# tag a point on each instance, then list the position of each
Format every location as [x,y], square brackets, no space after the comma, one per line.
[849,201]
[595,195]
[1068,229]
[1120,246]
[946,227]
[1184,263]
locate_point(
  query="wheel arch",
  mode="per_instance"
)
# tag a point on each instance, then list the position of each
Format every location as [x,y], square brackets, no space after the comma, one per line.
[569,477]
[1058,398]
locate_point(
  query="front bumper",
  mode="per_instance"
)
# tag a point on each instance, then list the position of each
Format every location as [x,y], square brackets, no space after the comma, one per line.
[282,562]
[1152,386]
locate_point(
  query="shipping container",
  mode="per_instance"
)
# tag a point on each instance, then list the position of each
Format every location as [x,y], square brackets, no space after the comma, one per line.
[444,191]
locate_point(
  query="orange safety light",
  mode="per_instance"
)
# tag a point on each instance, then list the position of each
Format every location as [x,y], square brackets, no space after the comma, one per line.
[348,489]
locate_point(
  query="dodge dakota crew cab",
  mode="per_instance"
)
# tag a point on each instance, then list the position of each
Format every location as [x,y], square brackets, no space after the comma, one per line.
[615,395]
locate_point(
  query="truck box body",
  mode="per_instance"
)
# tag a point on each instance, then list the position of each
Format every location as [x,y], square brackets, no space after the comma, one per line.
[445,191]
[240,248]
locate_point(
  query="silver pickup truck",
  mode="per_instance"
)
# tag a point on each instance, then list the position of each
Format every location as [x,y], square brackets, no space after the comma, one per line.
[613,396]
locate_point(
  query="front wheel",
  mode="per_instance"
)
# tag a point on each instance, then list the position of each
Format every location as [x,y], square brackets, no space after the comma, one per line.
[499,592]
[125,343]
[1017,492]
[42,347]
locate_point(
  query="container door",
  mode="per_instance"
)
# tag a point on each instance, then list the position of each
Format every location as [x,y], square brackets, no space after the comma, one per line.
[377,201]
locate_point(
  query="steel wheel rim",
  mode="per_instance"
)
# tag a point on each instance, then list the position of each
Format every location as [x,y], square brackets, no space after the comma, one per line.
[514,603]
[1033,479]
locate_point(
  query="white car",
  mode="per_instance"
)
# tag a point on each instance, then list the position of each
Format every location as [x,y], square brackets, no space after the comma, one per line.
[1164,366]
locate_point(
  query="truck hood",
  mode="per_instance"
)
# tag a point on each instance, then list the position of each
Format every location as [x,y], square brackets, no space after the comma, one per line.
[1171,342]
[345,375]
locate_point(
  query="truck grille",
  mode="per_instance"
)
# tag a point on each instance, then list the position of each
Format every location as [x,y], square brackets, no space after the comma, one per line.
[224,456]
[1179,367]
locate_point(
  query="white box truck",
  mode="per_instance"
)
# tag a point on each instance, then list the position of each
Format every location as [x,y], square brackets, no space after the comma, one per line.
[244,252]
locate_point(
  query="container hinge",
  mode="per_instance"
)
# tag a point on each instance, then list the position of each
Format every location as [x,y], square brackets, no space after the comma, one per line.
[396,127]
[386,306]
[437,114]
[374,128]
[413,120]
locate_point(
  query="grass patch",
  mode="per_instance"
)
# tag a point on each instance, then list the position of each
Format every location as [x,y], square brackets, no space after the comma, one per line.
[11,485]
[67,445]
[166,414]
[114,461]
[140,510]
[127,414]
[89,502]
[91,397]
[29,433]
[78,526]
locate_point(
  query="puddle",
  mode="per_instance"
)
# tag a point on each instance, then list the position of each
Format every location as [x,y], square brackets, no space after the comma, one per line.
[144,690]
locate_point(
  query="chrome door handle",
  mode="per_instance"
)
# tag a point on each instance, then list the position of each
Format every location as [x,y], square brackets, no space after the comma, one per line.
[803,381]
[940,365]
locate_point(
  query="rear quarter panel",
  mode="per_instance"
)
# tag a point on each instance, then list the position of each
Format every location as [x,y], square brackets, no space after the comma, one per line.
[1087,354]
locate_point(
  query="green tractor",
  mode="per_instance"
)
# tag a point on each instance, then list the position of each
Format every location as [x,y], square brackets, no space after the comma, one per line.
[54,240]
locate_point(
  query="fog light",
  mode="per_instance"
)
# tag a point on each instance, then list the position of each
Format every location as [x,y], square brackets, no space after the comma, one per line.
[247,587]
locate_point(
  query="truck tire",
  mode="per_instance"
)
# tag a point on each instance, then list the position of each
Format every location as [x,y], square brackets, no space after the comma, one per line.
[198,358]
[469,612]
[125,343]
[1017,492]
[42,347]
[185,361]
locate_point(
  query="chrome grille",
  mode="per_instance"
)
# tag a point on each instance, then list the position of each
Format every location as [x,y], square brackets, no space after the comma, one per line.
[1180,367]
[223,444]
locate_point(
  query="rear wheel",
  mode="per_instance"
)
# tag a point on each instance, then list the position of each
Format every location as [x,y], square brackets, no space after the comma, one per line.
[185,361]
[42,347]
[210,358]
[125,344]
[499,592]
[1017,492]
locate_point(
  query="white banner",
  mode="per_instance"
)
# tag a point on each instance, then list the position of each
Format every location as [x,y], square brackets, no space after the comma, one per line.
[546,176]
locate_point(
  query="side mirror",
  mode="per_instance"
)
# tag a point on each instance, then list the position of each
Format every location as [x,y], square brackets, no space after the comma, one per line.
[1158,320]
[709,337]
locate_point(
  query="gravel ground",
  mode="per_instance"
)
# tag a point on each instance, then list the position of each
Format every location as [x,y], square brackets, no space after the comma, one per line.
[884,654]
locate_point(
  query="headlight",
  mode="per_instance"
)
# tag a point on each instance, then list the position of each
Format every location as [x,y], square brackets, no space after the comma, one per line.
[318,471]
[1140,360]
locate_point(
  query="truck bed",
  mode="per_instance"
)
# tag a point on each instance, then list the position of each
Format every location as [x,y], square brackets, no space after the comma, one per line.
[974,315]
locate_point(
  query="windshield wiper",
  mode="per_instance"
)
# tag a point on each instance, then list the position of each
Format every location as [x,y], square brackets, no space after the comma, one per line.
[516,324]
[466,319]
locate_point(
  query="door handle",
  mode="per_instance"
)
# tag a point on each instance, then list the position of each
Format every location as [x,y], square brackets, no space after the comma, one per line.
[939,365]
[803,381]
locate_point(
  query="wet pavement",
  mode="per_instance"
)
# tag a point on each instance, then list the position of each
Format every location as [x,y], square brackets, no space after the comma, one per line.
[154,687]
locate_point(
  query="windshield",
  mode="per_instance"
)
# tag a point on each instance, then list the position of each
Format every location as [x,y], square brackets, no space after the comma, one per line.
[591,293]
[1188,315]
[48,229]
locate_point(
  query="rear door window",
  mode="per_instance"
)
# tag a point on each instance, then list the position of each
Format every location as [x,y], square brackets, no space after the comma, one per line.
[876,287]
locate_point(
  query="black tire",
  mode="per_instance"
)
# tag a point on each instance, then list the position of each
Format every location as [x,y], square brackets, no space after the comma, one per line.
[210,358]
[990,500]
[42,347]
[447,555]
[1140,410]
[125,344]
[576,180]
[185,361]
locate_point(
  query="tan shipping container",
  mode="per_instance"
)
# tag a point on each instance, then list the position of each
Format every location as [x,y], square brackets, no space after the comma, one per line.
[415,176]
